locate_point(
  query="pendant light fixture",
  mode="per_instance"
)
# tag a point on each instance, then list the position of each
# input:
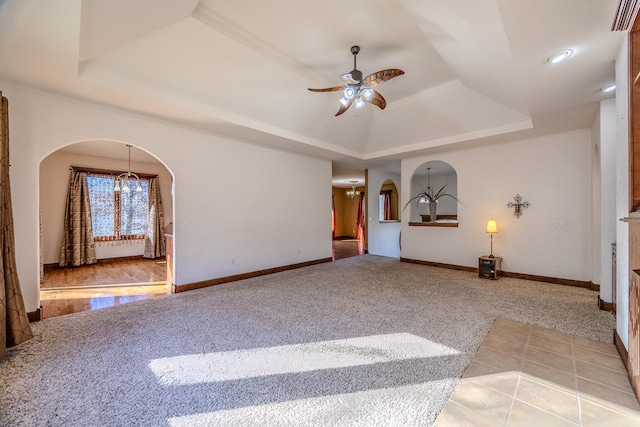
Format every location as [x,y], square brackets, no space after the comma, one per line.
[353,193]
[428,195]
[126,177]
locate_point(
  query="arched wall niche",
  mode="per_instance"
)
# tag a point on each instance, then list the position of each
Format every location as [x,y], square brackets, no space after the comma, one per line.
[388,195]
[435,174]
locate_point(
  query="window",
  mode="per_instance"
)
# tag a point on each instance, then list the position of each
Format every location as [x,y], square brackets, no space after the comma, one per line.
[117,215]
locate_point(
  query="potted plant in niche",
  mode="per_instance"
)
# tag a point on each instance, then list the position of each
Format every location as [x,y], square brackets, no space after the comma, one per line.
[431,198]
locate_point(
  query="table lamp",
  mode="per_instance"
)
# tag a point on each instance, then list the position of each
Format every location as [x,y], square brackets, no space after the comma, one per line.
[491,229]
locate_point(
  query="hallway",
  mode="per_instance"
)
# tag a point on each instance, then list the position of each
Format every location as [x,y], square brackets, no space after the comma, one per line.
[347,248]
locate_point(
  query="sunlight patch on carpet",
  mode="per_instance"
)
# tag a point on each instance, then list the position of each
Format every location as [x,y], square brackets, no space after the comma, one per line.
[397,406]
[259,362]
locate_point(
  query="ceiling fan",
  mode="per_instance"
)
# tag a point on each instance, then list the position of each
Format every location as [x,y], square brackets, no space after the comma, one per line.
[358,90]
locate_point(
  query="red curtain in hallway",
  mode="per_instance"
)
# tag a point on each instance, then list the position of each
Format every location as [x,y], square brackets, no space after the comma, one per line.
[360,220]
[333,216]
[387,205]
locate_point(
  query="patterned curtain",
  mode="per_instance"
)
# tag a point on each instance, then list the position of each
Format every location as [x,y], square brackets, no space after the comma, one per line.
[41,246]
[154,246]
[360,220]
[14,323]
[78,247]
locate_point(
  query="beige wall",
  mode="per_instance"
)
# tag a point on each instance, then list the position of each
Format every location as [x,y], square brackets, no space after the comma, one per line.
[219,230]
[553,236]
[384,236]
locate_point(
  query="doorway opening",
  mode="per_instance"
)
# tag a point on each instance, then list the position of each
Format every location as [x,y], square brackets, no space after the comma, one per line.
[121,274]
[348,225]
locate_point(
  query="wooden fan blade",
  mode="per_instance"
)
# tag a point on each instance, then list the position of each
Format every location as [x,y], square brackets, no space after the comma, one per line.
[348,79]
[327,89]
[382,76]
[377,100]
[344,108]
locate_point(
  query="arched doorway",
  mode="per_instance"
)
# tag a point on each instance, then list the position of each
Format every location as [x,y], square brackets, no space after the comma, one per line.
[121,274]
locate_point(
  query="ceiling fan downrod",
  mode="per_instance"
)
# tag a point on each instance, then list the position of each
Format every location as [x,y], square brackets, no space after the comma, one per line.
[355,73]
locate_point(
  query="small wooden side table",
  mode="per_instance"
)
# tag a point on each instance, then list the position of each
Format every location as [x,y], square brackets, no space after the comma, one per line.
[489,268]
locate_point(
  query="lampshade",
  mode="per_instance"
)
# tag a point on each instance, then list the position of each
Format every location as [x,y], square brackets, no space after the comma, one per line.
[491,226]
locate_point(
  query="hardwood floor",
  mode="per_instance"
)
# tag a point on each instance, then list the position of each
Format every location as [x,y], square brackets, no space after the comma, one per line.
[74,289]
[346,248]
[90,287]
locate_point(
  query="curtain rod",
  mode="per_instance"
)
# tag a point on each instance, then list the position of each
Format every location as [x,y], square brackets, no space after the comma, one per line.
[109,172]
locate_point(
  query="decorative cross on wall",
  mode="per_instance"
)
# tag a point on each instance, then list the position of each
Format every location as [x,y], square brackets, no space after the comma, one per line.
[518,205]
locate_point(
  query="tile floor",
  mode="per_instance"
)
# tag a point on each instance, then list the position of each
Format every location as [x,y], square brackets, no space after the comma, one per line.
[524,375]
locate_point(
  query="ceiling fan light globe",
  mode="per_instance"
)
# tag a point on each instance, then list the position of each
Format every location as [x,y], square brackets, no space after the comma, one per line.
[349,92]
[359,102]
[367,92]
[344,101]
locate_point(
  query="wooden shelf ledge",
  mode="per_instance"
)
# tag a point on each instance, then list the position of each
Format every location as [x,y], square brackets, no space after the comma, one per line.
[433,224]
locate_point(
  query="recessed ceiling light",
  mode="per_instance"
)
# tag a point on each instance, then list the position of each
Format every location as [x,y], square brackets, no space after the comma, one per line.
[608,89]
[560,56]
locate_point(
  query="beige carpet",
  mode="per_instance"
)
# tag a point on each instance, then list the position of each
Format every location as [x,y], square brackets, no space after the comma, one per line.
[361,341]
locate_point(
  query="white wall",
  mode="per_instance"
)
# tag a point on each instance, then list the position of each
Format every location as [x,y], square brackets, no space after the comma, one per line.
[608,220]
[234,211]
[384,237]
[596,220]
[54,184]
[622,191]
[553,173]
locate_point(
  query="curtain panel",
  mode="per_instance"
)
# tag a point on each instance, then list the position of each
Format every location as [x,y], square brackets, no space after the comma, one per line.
[154,245]
[360,220]
[78,247]
[333,216]
[14,323]
[387,206]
